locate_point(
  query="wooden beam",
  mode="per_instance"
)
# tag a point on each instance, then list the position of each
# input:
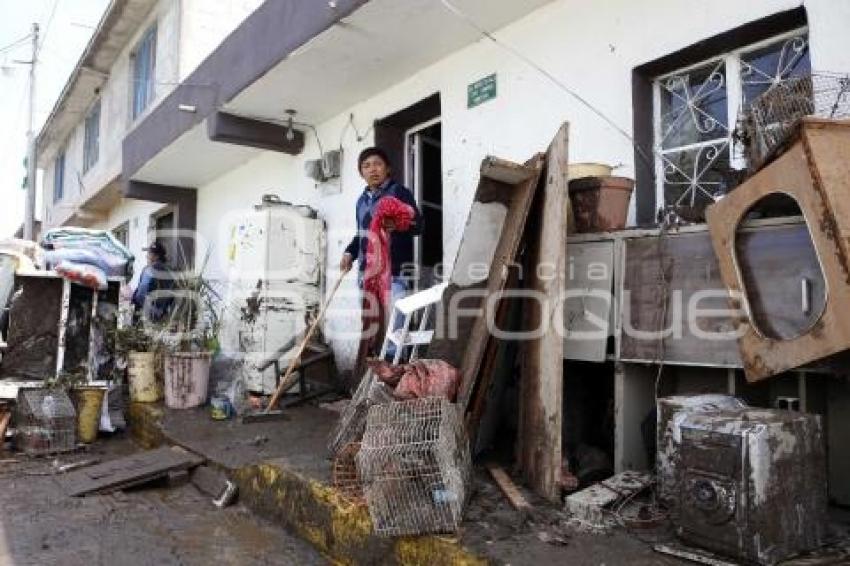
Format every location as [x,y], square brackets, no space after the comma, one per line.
[542,378]
[238,130]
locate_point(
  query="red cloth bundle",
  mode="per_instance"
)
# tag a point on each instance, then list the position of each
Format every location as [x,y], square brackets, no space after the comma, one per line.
[377,279]
[418,379]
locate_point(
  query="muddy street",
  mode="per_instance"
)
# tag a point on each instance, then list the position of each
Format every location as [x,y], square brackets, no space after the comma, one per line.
[40,525]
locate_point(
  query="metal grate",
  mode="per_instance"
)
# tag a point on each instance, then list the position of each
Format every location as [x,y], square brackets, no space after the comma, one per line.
[415,466]
[46,422]
[770,121]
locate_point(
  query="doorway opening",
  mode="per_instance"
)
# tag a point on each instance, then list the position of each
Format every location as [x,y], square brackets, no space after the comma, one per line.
[424,176]
[412,138]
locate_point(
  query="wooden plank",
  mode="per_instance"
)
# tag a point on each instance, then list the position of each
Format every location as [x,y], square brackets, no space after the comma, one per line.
[491,239]
[510,489]
[506,171]
[542,379]
[129,471]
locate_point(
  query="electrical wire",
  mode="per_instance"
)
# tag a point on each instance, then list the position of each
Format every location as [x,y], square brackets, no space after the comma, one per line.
[47,27]
[15,44]
[552,78]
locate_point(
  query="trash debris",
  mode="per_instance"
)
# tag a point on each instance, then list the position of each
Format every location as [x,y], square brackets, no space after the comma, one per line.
[228,497]
[692,554]
[415,465]
[591,505]
[65,468]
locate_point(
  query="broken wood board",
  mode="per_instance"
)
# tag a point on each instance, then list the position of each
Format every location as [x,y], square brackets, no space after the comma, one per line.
[490,242]
[129,471]
[542,376]
[591,505]
[814,174]
[510,489]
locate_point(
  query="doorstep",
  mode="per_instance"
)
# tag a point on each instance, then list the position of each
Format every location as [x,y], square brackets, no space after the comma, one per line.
[283,473]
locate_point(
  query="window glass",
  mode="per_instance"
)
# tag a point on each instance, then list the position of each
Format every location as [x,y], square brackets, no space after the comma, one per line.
[694,107]
[59,177]
[768,66]
[144,67]
[91,148]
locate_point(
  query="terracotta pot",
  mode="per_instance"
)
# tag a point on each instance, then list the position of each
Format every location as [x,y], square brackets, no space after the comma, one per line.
[601,204]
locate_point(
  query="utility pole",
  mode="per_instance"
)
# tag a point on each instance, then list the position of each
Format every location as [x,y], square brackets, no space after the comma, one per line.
[29,212]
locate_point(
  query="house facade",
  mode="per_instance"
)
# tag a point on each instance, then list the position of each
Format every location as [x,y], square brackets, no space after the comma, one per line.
[651,88]
[140,51]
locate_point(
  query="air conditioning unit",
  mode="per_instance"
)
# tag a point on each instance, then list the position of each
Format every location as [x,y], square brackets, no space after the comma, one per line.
[326,168]
[752,483]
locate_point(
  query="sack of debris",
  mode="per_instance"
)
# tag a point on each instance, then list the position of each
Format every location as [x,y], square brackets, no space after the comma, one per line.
[418,379]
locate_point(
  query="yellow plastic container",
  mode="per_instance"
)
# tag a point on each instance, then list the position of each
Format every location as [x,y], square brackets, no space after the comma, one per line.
[89,402]
[141,372]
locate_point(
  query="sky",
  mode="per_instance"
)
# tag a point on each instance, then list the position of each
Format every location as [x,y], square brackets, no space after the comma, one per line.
[66,26]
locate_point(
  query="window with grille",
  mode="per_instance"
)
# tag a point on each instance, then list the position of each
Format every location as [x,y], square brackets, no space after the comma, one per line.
[91,148]
[696,109]
[144,68]
[59,177]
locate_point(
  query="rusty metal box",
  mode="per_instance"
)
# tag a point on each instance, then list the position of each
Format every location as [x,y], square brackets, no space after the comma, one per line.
[752,483]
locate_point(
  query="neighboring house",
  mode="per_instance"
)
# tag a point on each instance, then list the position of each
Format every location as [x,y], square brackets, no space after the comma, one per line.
[140,51]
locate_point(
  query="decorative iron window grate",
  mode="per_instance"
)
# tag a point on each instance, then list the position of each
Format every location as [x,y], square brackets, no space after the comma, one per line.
[697,158]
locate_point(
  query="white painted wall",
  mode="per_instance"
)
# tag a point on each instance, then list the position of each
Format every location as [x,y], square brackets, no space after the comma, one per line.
[589,49]
[204,25]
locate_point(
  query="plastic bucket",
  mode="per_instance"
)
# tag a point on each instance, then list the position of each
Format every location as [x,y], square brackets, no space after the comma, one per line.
[89,401]
[187,376]
[141,371]
[601,204]
[582,170]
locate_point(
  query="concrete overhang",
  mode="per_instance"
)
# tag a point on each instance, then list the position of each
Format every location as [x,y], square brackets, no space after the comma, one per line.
[305,56]
[115,29]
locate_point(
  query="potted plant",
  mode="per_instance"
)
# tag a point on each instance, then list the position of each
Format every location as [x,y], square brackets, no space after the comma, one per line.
[190,340]
[137,347]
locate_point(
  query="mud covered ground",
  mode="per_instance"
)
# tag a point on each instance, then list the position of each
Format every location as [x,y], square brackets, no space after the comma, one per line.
[40,525]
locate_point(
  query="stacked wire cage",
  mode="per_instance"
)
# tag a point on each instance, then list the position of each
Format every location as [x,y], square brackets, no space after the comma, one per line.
[415,466]
[771,120]
[45,422]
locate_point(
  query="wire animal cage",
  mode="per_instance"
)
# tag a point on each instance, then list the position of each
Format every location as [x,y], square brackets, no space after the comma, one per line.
[771,120]
[45,421]
[344,475]
[352,421]
[415,466]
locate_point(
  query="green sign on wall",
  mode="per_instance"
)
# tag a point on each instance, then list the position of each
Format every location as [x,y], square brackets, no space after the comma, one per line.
[481,91]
